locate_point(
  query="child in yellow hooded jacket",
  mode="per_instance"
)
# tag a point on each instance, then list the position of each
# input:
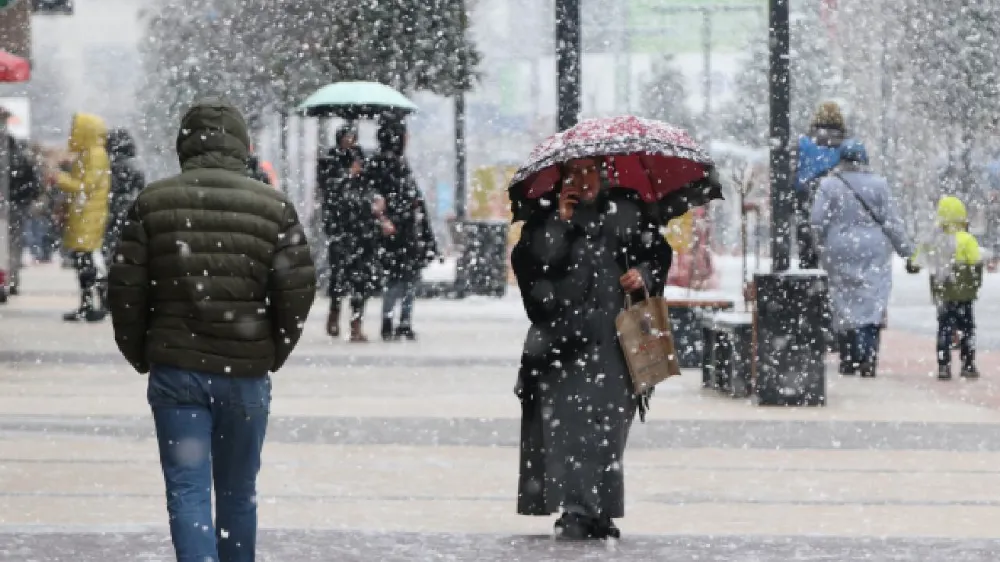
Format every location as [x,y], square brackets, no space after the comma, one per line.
[953,259]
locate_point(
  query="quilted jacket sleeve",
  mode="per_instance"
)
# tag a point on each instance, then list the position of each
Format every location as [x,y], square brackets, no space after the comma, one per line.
[291,287]
[128,291]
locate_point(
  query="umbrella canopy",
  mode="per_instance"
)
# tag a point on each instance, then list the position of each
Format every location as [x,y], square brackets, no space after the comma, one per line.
[351,100]
[13,68]
[660,162]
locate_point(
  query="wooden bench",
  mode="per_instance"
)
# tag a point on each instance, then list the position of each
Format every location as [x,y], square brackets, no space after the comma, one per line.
[728,355]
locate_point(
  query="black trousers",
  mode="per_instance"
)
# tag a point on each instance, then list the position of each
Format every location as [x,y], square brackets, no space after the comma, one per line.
[92,273]
[808,258]
[956,316]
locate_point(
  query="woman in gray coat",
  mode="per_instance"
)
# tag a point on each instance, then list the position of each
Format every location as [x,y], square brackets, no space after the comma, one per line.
[857,226]
[574,265]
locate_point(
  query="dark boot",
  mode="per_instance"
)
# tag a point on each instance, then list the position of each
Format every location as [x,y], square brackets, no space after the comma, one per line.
[606,529]
[80,313]
[357,334]
[944,372]
[848,368]
[970,372]
[88,314]
[867,370]
[574,527]
[333,321]
[404,332]
[387,329]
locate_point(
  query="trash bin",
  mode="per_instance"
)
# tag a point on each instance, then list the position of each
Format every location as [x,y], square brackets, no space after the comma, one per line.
[791,347]
[482,261]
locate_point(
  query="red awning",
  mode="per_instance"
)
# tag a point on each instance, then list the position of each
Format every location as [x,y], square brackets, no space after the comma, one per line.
[14,68]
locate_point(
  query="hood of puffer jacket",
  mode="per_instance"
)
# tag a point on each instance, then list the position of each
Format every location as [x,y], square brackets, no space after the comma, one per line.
[951,214]
[87,132]
[213,135]
[121,144]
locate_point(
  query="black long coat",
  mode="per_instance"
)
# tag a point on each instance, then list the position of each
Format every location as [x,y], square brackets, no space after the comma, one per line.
[576,394]
[407,252]
[351,228]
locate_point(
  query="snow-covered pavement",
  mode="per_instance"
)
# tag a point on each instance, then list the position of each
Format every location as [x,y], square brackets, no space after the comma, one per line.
[409,452]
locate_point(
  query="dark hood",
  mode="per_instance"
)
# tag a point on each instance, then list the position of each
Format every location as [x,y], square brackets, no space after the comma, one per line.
[213,135]
[121,144]
[391,137]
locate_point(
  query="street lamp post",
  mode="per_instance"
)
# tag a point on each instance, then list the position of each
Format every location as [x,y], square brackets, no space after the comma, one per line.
[568,55]
[779,86]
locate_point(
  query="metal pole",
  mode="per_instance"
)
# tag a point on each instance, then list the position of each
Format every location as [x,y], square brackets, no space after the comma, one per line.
[5,257]
[568,47]
[283,150]
[461,173]
[706,35]
[627,41]
[779,86]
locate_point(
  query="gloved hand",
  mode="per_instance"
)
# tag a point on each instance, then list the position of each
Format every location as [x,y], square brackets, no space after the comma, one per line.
[911,266]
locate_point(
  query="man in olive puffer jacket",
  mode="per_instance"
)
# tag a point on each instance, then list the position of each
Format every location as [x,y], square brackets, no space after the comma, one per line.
[210,288]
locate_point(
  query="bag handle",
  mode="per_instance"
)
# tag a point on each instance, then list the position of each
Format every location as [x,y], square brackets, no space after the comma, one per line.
[628,295]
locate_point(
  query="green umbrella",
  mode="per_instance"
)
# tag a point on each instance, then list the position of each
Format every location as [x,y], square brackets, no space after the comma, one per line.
[351,100]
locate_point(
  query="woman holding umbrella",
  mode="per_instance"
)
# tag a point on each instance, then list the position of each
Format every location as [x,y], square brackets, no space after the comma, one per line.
[587,243]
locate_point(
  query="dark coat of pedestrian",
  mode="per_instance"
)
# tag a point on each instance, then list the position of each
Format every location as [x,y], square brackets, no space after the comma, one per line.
[408,242]
[350,222]
[25,188]
[577,397]
[127,180]
[210,290]
[816,154]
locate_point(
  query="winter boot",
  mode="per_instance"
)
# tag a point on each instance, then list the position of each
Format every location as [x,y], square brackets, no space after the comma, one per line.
[333,321]
[386,329]
[867,370]
[405,332]
[357,334]
[606,529]
[88,314]
[574,527]
[88,310]
[944,372]
[848,368]
[970,372]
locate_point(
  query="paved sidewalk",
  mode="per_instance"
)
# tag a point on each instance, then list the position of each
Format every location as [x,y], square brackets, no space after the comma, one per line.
[408,452]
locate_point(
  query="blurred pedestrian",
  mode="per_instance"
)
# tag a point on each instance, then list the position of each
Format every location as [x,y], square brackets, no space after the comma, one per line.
[408,241]
[87,186]
[575,264]
[817,153]
[25,188]
[210,290]
[127,180]
[952,256]
[857,227]
[351,211]
[254,168]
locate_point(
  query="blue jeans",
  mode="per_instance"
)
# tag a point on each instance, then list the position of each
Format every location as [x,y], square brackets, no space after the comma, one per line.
[396,290]
[210,427]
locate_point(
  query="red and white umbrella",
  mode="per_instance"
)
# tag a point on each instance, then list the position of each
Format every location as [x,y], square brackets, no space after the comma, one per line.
[652,158]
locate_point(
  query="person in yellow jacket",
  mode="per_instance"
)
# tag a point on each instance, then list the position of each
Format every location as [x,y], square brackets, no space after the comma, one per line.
[87,186]
[953,260]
